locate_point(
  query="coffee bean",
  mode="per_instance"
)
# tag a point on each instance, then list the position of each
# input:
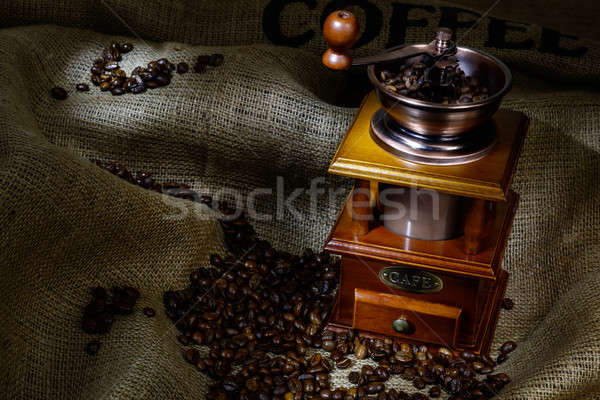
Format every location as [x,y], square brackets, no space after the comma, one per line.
[419,383]
[508,347]
[97,69]
[59,93]
[92,347]
[215,60]
[435,392]
[126,47]
[374,387]
[117,91]
[467,356]
[182,68]
[192,356]
[199,68]
[104,86]
[82,87]
[203,60]
[138,89]
[360,352]
[343,363]
[501,358]
[478,366]
[149,312]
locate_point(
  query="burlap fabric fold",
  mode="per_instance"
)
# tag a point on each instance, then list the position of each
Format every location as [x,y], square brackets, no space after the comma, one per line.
[68,225]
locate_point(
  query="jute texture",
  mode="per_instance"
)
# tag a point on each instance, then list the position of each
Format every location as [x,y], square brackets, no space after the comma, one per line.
[68,225]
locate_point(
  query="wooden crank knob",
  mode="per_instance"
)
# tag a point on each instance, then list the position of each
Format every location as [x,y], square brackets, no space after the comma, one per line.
[341,31]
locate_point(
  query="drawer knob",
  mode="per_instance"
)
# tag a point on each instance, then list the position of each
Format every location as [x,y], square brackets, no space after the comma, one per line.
[401,325]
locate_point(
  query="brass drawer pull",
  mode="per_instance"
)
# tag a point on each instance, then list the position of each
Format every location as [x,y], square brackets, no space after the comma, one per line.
[401,325]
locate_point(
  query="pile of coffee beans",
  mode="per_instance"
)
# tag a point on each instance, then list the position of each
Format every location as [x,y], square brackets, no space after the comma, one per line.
[261,313]
[99,314]
[108,76]
[440,368]
[446,85]
[239,234]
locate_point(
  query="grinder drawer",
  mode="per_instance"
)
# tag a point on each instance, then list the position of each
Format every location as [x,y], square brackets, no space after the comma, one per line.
[400,316]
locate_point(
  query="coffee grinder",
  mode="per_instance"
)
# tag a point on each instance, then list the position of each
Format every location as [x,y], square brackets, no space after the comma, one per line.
[422,234]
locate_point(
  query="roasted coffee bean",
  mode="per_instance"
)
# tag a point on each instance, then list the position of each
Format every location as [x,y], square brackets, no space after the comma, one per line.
[104,86]
[126,47]
[184,340]
[117,91]
[353,377]
[508,347]
[182,68]
[478,366]
[59,93]
[467,356]
[360,352]
[92,347]
[97,69]
[486,370]
[138,89]
[374,387]
[419,383]
[149,312]
[328,345]
[203,60]
[343,363]
[435,392]
[199,68]
[215,60]
[82,87]
[444,351]
[507,303]
[192,356]
[501,358]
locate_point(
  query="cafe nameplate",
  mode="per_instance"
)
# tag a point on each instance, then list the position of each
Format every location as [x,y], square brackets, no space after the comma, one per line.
[410,279]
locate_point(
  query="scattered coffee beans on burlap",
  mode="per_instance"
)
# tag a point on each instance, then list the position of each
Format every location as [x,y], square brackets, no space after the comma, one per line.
[99,314]
[204,61]
[107,74]
[446,85]
[260,310]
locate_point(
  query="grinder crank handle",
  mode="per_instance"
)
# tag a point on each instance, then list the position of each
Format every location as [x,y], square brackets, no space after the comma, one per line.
[341,32]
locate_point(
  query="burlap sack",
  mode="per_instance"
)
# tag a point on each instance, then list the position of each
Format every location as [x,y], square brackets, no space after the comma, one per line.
[67,225]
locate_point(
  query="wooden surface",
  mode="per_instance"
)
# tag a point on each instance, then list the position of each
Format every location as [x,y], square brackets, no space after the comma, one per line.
[358,156]
[433,322]
[444,255]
